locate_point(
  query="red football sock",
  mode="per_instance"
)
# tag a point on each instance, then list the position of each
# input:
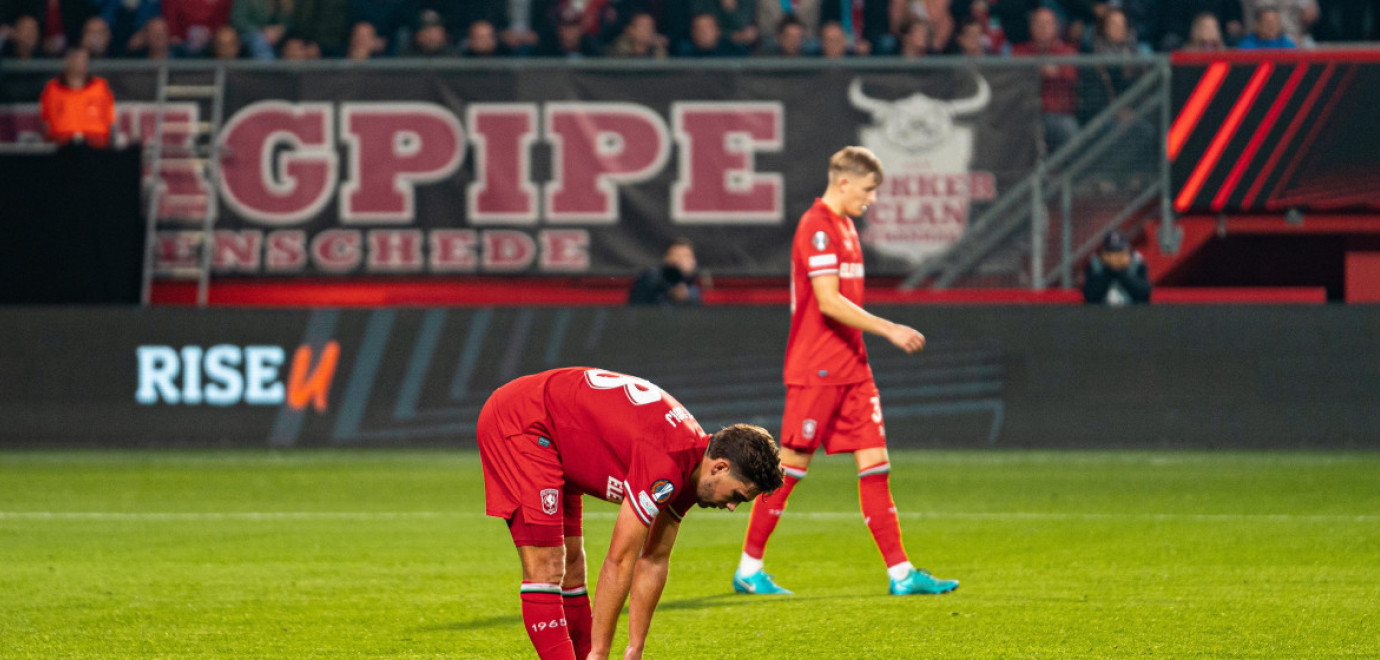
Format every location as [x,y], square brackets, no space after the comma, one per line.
[766,512]
[578,618]
[879,511]
[544,619]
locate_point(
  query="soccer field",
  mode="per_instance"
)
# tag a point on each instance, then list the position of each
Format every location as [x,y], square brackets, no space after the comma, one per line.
[387,554]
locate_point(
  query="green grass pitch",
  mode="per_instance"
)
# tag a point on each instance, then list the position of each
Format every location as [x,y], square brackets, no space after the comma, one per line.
[387,554]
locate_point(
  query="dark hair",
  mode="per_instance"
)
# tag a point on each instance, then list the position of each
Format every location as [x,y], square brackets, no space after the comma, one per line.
[788,21]
[911,22]
[1101,28]
[677,242]
[753,454]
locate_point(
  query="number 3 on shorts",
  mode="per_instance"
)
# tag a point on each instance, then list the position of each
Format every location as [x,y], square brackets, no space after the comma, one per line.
[877,409]
[640,392]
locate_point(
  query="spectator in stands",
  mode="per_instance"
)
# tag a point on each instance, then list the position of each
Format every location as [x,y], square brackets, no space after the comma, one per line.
[569,40]
[937,13]
[323,23]
[124,21]
[1113,35]
[365,42]
[736,18]
[226,44]
[297,47]
[970,40]
[95,37]
[1142,20]
[1205,35]
[430,39]
[482,41]
[673,282]
[866,26]
[706,39]
[770,14]
[76,107]
[639,39]
[22,42]
[262,24]
[1058,100]
[790,39]
[1178,17]
[61,22]
[191,22]
[833,41]
[1124,165]
[1116,275]
[520,36]
[915,37]
[392,20]
[154,42]
[11,10]
[600,20]
[992,37]
[1269,32]
[1296,18]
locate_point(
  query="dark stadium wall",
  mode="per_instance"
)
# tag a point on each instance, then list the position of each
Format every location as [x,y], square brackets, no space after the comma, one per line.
[991,377]
[73,231]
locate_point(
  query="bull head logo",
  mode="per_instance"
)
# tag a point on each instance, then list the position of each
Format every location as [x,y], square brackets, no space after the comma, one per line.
[917,121]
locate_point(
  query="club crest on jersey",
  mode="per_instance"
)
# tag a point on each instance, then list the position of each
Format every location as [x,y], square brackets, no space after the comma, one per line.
[662,490]
[807,429]
[820,240]
[550,501]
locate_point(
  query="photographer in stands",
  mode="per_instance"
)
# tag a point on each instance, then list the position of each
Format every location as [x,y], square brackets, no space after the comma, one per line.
[1116,275]
[674,282]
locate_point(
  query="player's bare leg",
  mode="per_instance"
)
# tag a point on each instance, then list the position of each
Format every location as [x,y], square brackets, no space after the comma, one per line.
[766,512]
[543,571]
[575,596]
[879,512]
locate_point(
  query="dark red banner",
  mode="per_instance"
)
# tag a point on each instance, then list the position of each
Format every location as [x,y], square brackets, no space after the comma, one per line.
[570,171]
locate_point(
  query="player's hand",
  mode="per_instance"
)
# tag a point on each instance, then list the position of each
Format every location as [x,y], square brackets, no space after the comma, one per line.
[906,338]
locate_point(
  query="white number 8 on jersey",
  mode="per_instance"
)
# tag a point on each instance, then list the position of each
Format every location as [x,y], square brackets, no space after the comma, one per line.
[640,392]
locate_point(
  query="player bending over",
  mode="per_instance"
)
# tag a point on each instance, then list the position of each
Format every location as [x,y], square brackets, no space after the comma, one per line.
[831,398]
[546,439]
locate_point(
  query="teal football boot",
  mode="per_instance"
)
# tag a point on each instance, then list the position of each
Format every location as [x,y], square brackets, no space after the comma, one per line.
[921,582]
[758,583]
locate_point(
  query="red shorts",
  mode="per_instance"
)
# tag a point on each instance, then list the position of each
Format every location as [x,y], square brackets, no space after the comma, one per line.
[524,481]
[845,418]
[548,536]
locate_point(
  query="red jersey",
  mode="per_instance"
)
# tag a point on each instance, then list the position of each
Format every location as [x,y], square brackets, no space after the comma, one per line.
[618,436]
[820,350]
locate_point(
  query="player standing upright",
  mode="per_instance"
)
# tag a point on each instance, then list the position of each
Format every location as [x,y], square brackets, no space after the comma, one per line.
[547,438]
[831,398]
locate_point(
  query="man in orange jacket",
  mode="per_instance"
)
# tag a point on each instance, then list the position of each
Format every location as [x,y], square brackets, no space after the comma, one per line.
[77,107]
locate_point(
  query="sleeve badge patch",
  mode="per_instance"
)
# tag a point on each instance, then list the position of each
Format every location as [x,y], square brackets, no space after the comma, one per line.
[662,491]
[820,240]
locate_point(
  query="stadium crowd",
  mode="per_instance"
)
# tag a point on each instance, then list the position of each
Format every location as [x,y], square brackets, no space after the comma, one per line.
[466,29]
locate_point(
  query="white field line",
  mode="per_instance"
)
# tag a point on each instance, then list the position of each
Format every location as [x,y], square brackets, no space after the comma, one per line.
[197,516]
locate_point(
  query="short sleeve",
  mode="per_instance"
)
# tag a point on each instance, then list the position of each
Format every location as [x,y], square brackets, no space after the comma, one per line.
[819,250]
[654,482]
